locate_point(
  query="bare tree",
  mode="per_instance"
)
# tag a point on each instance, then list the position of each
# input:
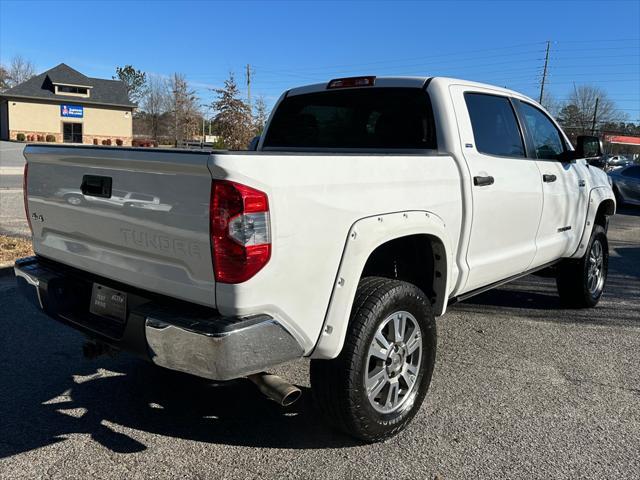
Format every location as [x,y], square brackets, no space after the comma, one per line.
[4,79]
[579,112]
[20,70]
[261,114]
[233,121]
[184,107]
[155,103]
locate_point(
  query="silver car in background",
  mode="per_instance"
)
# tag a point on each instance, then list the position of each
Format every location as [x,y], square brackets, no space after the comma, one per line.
[626,184]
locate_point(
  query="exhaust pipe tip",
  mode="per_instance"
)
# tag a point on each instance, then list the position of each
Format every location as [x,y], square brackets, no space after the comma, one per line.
[276,388]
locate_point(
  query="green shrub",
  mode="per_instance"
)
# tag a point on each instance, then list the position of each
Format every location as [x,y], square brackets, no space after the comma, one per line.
[119,142]
[51,138]
[95,141]
[20,137]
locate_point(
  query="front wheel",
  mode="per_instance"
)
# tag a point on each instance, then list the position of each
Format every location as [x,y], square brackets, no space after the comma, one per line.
[377,384]
[581,282]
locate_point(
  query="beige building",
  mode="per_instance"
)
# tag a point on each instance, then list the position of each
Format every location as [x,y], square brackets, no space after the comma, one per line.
[63,105]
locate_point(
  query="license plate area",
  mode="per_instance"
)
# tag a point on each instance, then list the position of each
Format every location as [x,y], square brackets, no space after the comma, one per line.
[108,303]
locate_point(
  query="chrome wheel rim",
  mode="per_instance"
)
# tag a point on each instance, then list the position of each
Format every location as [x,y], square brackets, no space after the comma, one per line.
[74,200]
[393,362]
[595,272]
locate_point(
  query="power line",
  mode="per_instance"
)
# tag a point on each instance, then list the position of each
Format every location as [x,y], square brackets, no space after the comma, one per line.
[465,52]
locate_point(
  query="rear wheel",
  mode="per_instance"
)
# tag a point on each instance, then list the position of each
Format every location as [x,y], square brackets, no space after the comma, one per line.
[376,385]
[581,282]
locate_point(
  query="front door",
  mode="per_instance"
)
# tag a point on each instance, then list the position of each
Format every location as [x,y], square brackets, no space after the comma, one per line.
[564,187]
[72,132]
[506,190]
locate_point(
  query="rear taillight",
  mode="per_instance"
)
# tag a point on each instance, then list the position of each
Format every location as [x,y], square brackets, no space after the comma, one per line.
[240,231]
[24,195]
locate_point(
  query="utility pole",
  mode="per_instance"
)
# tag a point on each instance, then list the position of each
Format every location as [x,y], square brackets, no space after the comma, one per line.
[249,84]
[544,73]
[595,114]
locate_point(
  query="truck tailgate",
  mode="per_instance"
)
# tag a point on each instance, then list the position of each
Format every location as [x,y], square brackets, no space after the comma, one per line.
[150,229]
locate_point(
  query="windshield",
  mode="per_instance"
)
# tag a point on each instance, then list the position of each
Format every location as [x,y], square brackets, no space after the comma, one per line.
[363,118]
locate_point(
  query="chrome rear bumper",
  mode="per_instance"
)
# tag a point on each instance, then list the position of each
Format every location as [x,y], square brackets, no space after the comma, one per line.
[174,335]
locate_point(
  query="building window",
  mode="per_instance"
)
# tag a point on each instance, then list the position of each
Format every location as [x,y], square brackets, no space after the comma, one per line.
[76,90]
[72,132]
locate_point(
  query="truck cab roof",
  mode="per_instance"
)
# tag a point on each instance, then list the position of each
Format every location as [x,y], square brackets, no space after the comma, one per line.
[409,82]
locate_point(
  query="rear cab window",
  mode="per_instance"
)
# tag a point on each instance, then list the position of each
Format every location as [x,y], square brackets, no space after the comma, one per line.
[360,118]
[495,125]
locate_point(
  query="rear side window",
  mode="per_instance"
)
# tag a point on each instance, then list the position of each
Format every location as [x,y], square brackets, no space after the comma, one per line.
[494,124]
[363,118]
[545,136]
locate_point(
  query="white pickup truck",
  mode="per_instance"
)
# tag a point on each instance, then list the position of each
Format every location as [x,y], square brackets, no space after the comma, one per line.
[368,205]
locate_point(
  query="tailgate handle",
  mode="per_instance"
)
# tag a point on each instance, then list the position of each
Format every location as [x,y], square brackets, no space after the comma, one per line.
[96,186]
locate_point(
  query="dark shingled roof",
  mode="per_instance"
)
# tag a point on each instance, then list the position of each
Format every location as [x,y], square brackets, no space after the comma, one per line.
[102,92]
[66,75]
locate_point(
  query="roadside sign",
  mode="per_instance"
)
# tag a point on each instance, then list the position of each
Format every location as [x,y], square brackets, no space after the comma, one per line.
[75,111]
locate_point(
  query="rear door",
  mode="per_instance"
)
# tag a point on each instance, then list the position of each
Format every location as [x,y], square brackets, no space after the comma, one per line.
[564,186]
[507,189]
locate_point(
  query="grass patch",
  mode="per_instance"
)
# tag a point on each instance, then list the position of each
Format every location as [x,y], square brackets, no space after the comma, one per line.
[12,248]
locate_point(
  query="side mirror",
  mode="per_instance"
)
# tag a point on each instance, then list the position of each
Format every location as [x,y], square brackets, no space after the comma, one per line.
[253,144]
[588,147]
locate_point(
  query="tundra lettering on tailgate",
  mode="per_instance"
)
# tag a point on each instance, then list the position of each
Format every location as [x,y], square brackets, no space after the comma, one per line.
[161,243]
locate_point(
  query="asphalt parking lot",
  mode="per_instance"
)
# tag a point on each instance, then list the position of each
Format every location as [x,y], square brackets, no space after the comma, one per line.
[522,389]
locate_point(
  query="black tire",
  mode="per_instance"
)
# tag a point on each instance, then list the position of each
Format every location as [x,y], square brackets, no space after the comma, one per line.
[573,275]
[338,385]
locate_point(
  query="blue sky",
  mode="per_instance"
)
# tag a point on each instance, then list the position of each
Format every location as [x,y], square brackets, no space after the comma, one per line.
[293,43]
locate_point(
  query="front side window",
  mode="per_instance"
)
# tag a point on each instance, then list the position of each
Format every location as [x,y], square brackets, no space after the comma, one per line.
[545,136]
[494,123]
[359,118]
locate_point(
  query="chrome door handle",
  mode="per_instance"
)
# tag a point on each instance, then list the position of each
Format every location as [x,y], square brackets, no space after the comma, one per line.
[548,178]
[482,181]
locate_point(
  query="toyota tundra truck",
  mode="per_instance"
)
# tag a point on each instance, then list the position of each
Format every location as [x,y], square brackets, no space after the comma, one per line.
[367,206]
